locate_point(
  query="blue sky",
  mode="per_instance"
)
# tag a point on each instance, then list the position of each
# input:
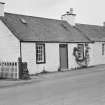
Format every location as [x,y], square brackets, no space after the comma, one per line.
[88,11]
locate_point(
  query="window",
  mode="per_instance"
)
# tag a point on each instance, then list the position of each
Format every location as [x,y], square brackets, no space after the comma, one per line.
[103,48]
[40,53]
[80,51]
[23,21]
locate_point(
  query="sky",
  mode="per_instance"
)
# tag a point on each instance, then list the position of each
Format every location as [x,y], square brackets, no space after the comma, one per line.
[88,11]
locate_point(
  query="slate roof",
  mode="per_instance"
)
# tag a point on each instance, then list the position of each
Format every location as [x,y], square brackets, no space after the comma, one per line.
[29,28]
[93,32]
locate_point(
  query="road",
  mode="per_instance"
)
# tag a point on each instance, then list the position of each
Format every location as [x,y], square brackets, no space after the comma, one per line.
[84,89]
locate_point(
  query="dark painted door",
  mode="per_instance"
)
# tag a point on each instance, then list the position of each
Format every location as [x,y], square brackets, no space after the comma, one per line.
[63,56]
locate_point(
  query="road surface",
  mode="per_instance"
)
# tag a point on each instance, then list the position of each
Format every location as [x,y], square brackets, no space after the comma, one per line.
[84,89]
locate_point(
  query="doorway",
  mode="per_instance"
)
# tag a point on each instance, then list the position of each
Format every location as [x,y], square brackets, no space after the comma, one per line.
[63,49]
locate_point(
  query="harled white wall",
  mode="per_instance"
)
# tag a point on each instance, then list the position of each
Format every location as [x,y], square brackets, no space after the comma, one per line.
[95,52]
[69,18]
[71,59]
[52,57]
[9,44]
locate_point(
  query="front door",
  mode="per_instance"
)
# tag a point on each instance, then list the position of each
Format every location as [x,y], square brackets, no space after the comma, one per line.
[63,56]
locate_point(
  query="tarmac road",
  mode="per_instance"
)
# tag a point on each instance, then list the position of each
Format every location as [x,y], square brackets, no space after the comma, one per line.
[84,89]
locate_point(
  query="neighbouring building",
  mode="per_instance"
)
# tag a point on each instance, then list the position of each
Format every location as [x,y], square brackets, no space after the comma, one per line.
[50,44]
[97,49]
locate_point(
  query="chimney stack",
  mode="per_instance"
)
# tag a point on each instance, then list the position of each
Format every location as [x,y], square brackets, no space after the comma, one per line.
[103,24]
[69,17]
[2,9]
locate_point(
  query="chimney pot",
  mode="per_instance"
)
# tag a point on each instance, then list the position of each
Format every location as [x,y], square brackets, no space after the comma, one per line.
[71,10]
[2,8]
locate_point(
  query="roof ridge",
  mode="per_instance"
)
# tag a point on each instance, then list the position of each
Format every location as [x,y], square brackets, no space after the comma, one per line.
[42,29]
[32,16]
[89,25]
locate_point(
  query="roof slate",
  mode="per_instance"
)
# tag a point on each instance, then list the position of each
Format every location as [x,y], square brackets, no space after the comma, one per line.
[93,32]
[29,28]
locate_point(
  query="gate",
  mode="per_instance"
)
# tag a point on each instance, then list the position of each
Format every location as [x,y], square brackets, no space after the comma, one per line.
[9,70]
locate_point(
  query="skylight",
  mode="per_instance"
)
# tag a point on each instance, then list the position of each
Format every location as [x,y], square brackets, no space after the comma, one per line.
[23,21]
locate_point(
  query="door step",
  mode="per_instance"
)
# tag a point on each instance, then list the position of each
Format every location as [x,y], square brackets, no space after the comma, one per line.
[63,70]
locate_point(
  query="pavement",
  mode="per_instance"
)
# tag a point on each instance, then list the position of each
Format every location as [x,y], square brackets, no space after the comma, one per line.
[7,83]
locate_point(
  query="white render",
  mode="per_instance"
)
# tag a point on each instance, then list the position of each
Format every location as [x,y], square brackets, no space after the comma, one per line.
[71,58]
[9,45]
[69,18]
[95,53]
[52,57]
[51,53]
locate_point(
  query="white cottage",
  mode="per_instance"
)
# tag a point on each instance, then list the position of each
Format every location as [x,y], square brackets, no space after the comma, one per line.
[97,49]
[45,44]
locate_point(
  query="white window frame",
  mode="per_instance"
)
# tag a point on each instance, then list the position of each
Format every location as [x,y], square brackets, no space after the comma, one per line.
[40,53]
[80,51]
[103,48]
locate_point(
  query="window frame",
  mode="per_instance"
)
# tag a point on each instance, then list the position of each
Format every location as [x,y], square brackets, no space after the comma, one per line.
[43,54]
[79,49]
[103,49]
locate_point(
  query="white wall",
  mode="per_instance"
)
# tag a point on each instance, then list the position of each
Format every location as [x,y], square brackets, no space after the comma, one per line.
[52,57]
[9,44]
[69,18]
[71,58]
[95,53]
